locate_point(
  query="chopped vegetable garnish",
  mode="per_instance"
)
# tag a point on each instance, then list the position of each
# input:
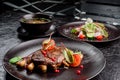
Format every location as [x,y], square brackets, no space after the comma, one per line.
[68,55]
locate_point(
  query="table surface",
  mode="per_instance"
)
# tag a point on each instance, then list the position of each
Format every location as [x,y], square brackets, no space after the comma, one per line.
[9,38]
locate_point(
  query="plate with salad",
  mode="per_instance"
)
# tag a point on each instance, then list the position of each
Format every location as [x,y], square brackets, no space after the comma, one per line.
[54,59]
[89,31]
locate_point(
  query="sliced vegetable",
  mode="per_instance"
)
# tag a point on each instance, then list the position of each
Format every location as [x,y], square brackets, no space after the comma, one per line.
[77,60]
[90,35]
[68,55]
[89,27]
[14,60]
[104,33]
[100,25]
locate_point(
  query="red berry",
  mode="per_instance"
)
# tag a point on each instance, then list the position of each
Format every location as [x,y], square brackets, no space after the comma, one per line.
[44,52]
[57,71]
[81,66]
[78,72]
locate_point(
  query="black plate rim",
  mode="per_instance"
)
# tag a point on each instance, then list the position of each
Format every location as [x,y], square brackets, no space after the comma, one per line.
[53,38]
[36,36]
[91,41]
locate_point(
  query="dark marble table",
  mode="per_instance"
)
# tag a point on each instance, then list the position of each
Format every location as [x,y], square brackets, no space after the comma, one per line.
[9,38]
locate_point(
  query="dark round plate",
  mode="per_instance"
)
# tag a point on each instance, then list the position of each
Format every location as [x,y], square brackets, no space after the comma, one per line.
[64,30]
[93,61]
[23,33]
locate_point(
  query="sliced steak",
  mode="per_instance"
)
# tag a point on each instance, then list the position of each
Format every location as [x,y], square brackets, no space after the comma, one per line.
[54,56]
[38,57]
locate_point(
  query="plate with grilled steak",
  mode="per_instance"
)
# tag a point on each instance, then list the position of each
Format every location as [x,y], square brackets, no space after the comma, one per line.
[54,59]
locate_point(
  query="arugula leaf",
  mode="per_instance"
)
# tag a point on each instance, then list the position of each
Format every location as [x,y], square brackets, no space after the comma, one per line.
[14,60]
[73,30]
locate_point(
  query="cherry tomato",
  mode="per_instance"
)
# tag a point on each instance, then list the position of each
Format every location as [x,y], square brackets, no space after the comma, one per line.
[100,37]
[82,36]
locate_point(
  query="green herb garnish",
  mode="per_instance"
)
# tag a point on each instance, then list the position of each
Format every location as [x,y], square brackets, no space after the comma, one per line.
[73,31]
[68,55]
[14,60]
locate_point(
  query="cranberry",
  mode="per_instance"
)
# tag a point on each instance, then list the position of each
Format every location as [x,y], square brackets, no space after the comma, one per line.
[57,71]
[78,72]
[53,59]
[81,66]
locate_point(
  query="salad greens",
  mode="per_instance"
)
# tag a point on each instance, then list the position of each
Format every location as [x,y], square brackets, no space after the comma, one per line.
[73,31]
[91,30]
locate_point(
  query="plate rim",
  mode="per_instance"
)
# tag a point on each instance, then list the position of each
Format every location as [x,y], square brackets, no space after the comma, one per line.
[3,61]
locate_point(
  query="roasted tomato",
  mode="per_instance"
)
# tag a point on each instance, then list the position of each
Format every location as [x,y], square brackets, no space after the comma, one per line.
[77,60]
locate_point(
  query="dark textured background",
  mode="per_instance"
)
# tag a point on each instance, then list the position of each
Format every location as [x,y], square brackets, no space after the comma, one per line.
[102,10]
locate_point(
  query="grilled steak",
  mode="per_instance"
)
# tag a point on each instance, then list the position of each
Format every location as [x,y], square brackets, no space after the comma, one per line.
[54,56]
